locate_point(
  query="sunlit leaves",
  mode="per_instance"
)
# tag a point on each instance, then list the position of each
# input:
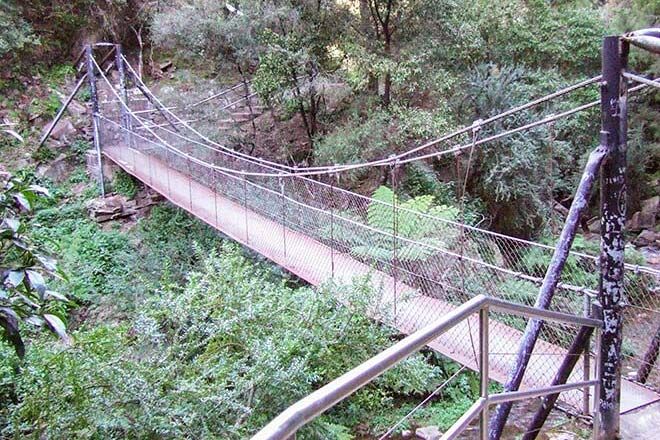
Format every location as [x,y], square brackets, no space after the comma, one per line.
[23,267]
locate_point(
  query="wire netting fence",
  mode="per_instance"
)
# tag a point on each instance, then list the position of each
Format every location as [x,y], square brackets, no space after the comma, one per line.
[421,265]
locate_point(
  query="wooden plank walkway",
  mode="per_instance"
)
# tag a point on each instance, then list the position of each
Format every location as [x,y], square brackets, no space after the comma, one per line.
[311,260]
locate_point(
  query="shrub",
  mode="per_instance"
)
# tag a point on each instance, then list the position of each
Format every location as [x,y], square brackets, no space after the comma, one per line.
[15,32]
[125,184]
[97,260]
[25,267]
[218,358]
[411,224]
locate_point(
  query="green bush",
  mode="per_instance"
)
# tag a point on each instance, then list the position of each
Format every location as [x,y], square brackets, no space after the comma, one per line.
[15,32]
[125,184]
[97,260]
[216,359]
[410,222]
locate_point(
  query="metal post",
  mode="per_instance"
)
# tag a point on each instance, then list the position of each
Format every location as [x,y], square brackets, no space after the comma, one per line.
[395,228]
[91,75]
[613,216]
[586,357]
[170,165]
[597,374]
[245,209]
[214,178]
[483,370]
[283,214]
[123,94]
[332,224]
[190,198]
[62,109]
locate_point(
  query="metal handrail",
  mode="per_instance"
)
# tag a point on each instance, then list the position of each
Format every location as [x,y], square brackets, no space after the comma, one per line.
[308,408]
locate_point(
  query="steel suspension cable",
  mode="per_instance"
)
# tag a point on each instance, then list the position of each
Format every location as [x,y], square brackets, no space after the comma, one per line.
[229,171]
[233,171]
[515,274]
[391,159]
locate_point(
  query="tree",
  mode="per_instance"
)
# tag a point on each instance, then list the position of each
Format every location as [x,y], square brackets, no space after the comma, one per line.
[283,44]
[24,294]
[15,32]
[391,39]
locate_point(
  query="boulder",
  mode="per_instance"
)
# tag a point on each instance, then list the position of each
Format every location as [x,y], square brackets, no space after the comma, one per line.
[59,169]
[649,212]
[76,109]
[646,238]
[64,130]
[428,433]
[634,223]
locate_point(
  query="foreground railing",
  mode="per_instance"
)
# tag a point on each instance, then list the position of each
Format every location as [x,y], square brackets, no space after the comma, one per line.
[307,409]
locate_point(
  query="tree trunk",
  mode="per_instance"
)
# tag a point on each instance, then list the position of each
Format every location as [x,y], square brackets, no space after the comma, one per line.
[367,33]
[387,83]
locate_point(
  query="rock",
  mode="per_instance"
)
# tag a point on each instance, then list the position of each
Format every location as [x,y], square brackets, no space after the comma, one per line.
[109,208]
[406,433]
[164,66]
[594,225]
[59,169]
[63,130]
[76,109]
[649,212]
[646,238]
[634,222]
[428,433]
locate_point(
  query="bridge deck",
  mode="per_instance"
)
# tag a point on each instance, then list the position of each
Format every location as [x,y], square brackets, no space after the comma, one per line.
[313,261]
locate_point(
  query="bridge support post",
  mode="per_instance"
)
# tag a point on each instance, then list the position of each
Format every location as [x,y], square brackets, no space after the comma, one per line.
[483,371]
[91,76]
[613,217]
[123,94]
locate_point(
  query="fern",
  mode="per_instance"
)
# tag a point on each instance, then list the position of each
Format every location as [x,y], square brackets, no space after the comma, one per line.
[409,225]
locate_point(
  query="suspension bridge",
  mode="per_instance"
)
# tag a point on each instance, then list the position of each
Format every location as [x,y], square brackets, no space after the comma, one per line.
[419,263]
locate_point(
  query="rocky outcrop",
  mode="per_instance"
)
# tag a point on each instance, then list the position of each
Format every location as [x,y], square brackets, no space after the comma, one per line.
[428,433]
[647,216]
[116,207]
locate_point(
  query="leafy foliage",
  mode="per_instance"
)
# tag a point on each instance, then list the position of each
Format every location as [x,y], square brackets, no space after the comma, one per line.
[24,268]
[125,184]
[408,223]
[218,358]
[15,32]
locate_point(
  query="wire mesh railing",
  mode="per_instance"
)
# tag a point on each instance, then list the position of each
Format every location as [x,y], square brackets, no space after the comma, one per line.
[426,262]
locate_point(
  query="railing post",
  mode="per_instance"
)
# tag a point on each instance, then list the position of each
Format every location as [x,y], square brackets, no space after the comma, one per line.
[613,217]
[214,178]
[395,228]
[91,75]
[283,214]
[190,174]
[123,94]
[245,208]
[483,370]
[332,223]
[598,335]
[586,358]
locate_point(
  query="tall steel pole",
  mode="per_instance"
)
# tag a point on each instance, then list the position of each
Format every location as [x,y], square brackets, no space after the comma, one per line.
[612,244]
[91,75]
